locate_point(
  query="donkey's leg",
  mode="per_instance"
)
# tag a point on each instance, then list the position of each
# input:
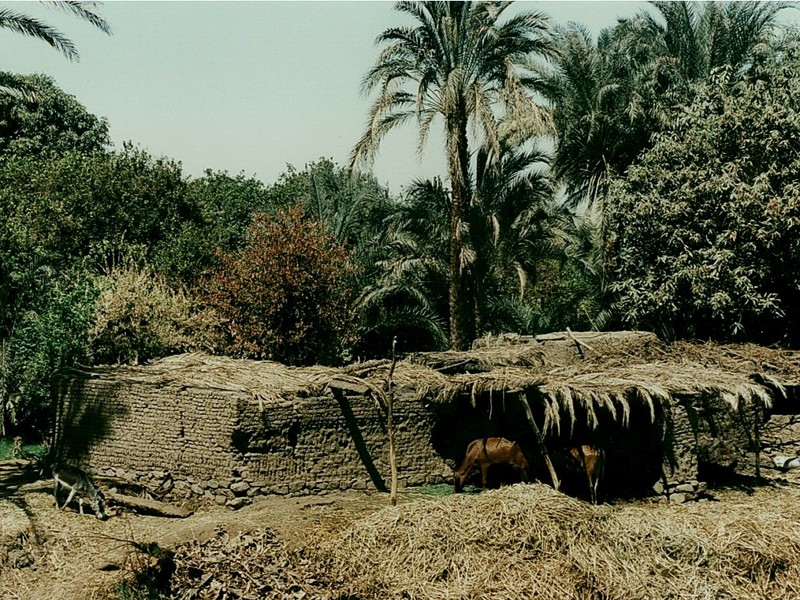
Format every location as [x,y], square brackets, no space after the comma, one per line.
[592,487]
[595,486]
[69,498]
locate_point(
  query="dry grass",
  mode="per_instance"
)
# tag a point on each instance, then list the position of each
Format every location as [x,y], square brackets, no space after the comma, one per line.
[606,382]
[523,541]
[530,542]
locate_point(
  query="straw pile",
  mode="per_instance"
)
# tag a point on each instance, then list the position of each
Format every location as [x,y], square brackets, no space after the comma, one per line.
[527,541]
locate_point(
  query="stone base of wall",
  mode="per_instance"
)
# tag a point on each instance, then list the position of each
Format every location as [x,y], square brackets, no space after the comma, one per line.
[678,492]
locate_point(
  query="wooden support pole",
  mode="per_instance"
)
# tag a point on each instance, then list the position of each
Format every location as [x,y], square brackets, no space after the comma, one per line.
[540,441]
[390,425]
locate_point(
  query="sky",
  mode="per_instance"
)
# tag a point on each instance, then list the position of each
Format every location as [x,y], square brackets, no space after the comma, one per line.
[244,86]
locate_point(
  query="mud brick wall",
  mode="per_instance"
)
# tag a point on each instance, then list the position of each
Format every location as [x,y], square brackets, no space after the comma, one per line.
[226,447]
[708,435]
[336,442]
[164,437]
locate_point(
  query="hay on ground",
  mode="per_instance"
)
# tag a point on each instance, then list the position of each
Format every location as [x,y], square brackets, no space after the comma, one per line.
[527,541]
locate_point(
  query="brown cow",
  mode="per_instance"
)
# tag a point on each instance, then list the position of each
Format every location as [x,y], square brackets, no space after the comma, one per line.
[592,461]
[486,452]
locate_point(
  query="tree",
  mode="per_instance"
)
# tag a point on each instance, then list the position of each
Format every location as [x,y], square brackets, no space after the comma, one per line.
[286,296]
[139,315]
[464,64]
[515,224]
[31,26]
[697,38]
[223,206]
[599,128]
[609,98]
[65,218]
[706,224]
[77,207]
[351,205]
[56,123]
[405,292]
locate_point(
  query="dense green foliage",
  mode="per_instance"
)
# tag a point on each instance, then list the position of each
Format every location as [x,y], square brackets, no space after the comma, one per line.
[706,223]
[670,202]
[610,97]
[53,123]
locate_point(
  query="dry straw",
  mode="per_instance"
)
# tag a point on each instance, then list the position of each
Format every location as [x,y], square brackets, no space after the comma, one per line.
[615,372]
[527,541]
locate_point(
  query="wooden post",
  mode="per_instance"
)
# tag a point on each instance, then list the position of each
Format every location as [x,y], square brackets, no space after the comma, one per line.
[390,425]
[540,441]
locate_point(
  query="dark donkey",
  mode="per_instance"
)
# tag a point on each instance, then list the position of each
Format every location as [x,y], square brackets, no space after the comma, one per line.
[592,461]
[486,452]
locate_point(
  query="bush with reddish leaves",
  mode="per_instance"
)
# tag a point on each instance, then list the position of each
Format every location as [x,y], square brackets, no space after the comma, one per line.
[287,295]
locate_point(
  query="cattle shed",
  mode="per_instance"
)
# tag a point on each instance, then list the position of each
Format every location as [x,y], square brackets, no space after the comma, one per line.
[199,426]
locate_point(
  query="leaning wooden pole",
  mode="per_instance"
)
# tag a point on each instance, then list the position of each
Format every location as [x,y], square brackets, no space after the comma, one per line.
[390,425]
[540,441]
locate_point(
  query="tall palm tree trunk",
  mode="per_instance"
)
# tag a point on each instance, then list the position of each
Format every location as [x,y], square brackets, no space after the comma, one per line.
[461,297]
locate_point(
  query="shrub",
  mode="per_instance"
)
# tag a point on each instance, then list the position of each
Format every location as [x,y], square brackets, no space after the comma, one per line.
[139,316]
[287,295]
[48,334]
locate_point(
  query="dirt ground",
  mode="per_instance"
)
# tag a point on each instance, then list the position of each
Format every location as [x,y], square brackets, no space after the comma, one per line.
[61,555]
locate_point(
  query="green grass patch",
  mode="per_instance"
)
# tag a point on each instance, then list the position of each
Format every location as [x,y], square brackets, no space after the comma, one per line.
[444,489]
[7,449]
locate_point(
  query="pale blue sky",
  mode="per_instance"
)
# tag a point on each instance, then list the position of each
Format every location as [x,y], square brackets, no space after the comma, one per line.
[244,86]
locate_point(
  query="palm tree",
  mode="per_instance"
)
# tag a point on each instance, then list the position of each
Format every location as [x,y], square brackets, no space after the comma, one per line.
[406,294]
[463,64]
[514,224]
[591,91]
[24,24]
[699,37]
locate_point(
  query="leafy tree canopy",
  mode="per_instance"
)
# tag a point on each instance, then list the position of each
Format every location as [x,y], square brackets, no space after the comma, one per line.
[351,205]
[54,123]
[707,223]
[286,296]
[224,206]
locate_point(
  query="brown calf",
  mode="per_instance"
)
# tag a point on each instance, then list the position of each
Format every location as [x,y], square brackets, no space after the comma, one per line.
[486,452]
[592,461]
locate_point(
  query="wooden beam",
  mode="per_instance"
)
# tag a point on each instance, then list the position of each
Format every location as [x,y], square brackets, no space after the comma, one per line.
[540,441]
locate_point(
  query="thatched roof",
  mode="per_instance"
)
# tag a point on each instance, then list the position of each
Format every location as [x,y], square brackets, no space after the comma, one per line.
[570,374]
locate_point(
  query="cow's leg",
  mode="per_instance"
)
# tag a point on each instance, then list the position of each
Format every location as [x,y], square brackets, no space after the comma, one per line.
[80,505]
[484,474]
[55,491]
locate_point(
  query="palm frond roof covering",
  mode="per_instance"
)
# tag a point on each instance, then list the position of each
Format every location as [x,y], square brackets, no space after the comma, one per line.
[586,374]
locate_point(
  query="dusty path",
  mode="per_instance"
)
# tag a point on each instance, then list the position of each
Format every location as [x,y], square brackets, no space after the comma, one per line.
[61,555]
[46,553]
